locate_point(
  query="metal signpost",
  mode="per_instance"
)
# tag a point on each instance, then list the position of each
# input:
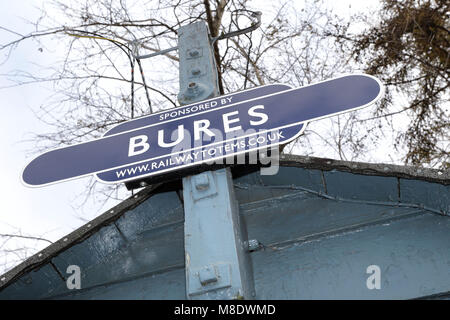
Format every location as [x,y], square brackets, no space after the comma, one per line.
[216,261]
[207,127]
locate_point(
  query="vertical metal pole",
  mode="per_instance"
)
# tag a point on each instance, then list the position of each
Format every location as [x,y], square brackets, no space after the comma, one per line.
[217,262]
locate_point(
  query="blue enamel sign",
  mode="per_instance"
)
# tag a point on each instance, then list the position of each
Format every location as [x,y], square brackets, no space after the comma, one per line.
[110,176]
[196,107]
[203,132]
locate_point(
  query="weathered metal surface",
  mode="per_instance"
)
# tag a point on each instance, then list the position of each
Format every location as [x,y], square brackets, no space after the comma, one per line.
[165,285]
[361,187]
[217,262]
[197,73]
[429,194]
[300,217]
[412,253]
[317,232]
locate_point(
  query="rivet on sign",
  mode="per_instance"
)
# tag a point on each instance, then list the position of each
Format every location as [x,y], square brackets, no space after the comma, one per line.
[112,211]
[89,225]
[65,239]
[3,279]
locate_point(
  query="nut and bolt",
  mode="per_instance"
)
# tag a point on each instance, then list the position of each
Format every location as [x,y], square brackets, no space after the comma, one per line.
[193,53]
[196,72]
[253,245]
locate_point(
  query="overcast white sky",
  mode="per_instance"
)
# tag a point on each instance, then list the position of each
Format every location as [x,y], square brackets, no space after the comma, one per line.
[46,211]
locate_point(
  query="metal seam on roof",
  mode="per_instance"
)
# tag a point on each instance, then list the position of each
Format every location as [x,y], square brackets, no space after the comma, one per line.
[339,231]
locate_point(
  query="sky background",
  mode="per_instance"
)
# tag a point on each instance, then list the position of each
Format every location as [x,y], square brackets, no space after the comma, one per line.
[49,212]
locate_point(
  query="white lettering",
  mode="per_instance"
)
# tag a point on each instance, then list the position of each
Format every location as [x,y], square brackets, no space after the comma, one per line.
[262,116]
[180,137]
[227,121]
[134,144]
[204,128]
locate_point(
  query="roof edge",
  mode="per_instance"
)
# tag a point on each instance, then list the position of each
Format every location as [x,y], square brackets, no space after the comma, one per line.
[365,168]
[45,255]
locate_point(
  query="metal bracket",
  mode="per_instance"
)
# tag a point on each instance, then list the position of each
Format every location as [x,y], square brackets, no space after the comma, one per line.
[203,185]
[255,25]
[252,27]
[211,278]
